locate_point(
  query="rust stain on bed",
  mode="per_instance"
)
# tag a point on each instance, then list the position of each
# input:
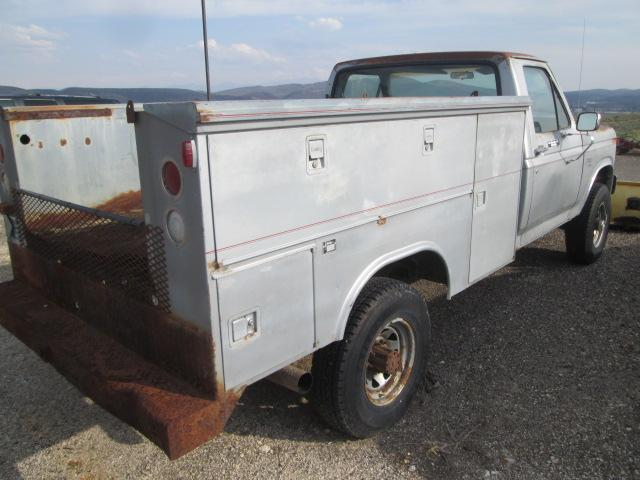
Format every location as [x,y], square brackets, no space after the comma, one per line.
[125,203]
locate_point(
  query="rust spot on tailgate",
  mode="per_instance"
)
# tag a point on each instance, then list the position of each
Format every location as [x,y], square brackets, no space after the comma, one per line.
[63,142]
[125,203]
[55,113]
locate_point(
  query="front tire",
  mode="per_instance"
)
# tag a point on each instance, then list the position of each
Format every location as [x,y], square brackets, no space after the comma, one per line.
[364,383]
[586,235]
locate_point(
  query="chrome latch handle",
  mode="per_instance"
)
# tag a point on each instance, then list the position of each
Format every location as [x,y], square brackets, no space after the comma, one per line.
[540,149]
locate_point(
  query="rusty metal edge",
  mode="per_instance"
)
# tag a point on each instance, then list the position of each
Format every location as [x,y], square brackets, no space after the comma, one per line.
[54,113]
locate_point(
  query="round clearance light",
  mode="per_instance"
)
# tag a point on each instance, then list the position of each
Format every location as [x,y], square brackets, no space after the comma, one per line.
[171,178]
[175,227]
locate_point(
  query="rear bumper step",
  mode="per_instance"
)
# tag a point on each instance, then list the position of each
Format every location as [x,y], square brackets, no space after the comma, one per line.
[169,411]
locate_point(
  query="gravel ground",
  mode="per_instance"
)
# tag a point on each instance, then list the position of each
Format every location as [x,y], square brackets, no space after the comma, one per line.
[535,374]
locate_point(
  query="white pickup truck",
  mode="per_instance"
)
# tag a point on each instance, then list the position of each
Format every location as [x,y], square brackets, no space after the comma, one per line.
[272,230]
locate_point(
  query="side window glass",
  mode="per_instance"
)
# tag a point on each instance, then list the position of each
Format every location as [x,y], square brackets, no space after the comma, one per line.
[542,98]
[362,86]
[563,118]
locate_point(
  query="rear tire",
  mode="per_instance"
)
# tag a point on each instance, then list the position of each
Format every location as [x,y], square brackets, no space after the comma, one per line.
[586,235]
[356,390]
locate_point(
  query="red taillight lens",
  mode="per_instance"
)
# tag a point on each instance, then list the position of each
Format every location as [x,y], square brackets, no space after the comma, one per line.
[171,178]
[187,154]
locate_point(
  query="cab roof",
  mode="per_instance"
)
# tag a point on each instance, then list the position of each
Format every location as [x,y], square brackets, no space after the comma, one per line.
[494,57]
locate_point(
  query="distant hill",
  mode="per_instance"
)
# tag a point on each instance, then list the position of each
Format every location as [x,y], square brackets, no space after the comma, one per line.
[288,91]
[291,91]
[600,99]
[621,100]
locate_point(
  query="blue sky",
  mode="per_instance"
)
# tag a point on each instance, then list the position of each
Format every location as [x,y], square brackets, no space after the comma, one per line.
[147,43]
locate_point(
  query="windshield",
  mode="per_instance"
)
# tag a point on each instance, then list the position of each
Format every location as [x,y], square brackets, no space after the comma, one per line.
[418,81]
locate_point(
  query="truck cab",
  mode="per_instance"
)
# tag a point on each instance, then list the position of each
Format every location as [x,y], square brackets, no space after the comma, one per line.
[561,163]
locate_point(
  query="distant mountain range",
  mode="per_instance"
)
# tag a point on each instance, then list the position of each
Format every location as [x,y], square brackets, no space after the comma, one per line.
[626,100]
[293,90]
[621,100]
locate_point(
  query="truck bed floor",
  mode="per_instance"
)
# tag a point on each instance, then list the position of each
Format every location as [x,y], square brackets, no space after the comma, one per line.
[170,412]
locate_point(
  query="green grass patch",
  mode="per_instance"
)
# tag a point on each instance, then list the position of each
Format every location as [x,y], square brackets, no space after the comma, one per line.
[627,125]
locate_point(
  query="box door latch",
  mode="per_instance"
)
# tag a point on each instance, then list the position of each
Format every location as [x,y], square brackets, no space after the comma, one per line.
[316,154]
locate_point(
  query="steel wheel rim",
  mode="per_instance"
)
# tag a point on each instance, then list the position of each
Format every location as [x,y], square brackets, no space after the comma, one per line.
[600,226]
[383,388]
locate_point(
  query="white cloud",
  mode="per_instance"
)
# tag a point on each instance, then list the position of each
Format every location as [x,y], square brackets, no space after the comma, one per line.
[239,51]
[131,54]
[326,23]
[30,37]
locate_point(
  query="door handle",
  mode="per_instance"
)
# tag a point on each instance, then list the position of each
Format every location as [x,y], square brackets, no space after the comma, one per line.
[544,147]
[540,149]
[571,160]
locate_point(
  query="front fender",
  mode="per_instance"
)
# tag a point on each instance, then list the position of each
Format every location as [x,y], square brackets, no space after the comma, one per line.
[605,162]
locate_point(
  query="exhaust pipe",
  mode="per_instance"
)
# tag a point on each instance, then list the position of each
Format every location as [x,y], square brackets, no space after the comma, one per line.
[294,379]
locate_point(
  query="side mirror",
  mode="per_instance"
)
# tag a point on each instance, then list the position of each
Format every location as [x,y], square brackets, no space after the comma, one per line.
[588,121]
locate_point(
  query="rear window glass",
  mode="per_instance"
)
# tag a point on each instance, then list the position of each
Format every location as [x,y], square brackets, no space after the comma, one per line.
[362,85]
[418,81]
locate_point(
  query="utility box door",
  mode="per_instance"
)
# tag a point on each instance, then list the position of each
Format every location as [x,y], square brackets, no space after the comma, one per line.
[496,192]
[266,315]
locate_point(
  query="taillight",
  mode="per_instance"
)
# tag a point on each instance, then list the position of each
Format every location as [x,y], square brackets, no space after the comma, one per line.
[171,178]
[1,154]
[188,154]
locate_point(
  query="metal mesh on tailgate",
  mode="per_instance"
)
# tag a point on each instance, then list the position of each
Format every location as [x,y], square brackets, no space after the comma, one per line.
[119,252]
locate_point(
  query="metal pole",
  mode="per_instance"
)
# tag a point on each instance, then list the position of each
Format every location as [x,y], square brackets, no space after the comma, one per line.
[206,48]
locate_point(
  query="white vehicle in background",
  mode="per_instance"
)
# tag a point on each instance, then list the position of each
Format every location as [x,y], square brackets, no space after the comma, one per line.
[268,231]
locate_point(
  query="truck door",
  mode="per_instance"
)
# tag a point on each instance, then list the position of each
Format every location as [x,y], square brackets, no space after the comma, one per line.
[496,190]
[555,163]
